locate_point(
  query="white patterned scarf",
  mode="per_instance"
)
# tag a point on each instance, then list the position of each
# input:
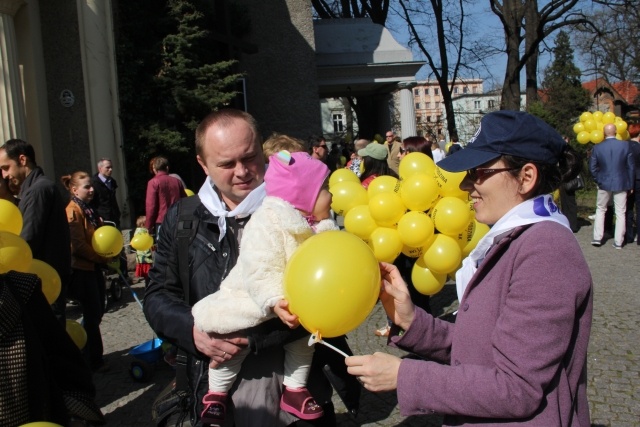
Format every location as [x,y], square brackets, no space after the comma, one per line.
[211,200]
[538,209]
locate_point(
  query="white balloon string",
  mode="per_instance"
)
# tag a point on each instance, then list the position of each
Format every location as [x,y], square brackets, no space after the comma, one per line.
[315,338]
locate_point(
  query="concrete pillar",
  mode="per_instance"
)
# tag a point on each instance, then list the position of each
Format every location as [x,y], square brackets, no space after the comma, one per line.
[407,110]
[12,116]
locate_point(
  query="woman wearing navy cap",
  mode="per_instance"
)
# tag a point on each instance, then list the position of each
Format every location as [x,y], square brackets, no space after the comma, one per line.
[516,354]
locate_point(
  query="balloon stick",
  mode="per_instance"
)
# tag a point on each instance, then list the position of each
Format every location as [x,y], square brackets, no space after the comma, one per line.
[315,338]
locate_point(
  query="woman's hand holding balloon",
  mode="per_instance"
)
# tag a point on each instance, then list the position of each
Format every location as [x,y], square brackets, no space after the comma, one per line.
[395,296]
[282,310]
[377,372]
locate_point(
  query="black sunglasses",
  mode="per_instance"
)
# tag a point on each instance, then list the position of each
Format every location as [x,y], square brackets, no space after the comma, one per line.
[322,146]
[480,174]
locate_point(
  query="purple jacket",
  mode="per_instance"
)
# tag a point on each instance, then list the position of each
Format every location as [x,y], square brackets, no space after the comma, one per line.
[162,192]
[517,351]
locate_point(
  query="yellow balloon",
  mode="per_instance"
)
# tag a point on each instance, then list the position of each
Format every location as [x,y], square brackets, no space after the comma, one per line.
[625,136]
[346,195]
[358,221]
[343,175]
[464,236]
[479,231]
[415,162]
[189,192]
[415,229]
[449,183]
[77,333]
[385,244]
[10,217]
[386,209]
[585,116]
[41,424]
[332,283]
[15,253]
[597,116]
[578,127]
[426,281]
[443,255]
[608,117]
[447,146]
[596,136]
[383,184]
[590,125]
[419,192]
[584,137]
[142,242]
[451,215]
[107,241]
[621,127]
[51,283]
[412,252]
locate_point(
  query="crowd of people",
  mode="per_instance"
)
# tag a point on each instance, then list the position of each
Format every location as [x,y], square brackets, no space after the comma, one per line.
[516,354]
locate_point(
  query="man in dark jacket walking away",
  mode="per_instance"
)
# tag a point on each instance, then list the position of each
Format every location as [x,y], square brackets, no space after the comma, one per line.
[45,227]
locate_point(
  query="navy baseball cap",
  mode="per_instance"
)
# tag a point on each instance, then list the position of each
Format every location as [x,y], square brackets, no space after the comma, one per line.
[513,133]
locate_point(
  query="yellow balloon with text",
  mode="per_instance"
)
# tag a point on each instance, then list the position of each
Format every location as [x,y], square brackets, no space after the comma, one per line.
[479,231]
[383,184]
[346,195]
[449,183]
[51,283]
[107,241]
[451,215]
[415,229]
[412,252]
[77,333]
[443,255]
[386,209]
[419,192]
[15,253]
[359,221]
[343,175]
[426,281]
[10,217]
[385,244]
[414,163]
[332,282]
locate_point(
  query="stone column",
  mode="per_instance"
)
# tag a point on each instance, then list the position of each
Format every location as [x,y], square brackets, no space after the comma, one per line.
[12,116]
[407,110]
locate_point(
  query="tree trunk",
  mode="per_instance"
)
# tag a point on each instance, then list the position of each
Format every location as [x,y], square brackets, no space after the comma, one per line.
[348,118]
[510,99]
[531,34]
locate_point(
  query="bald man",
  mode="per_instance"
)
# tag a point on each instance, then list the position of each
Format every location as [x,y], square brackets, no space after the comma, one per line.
[612,166]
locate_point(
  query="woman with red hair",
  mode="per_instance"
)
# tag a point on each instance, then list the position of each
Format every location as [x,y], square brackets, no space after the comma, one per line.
[633,199]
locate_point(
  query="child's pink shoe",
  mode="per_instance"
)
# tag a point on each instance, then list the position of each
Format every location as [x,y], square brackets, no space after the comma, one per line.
[299,402]
[215,408]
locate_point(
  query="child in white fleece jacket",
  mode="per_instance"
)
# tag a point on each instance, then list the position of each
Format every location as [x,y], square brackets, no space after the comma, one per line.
[297,205]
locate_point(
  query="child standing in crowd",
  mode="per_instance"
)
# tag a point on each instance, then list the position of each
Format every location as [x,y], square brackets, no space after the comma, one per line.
[144,259]
[296,206]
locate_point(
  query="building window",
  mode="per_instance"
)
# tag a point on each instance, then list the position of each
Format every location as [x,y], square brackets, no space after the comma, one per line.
[416,92]
[417,105]
[428,105]
[436,91]
[338,123]
[455,90]
[490,103]
[436,104]
[426,91]
[476,104]
[428,119]
[475,89]
[465,89]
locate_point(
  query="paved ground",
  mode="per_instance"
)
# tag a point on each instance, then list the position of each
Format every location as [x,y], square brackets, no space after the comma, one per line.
[614,351]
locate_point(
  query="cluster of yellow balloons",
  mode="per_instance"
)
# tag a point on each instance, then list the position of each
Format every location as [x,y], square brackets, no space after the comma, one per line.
[423,215]
[590,127]
[332,282]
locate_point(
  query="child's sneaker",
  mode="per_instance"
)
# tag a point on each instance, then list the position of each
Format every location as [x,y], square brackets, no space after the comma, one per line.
[215,409]
[299,402]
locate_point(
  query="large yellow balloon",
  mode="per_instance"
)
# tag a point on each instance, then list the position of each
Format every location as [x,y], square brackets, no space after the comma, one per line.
[343,175]
[608,117]
[142,242]
[451,215]
[346,195]
[624,136]
[51,283]
[386,209]
[419,192]
[15,253]
[621,127]
[358,221]
[479,231]
[415,162]
[443,256]
[596,136]
[597,116]
[77,333]
[449,183]
[41,424]
[10,217]
[426,281]
[385,244]
[590,125]
[412,252]
[415,229]
[332,283]
[584,137]
[107,241]
[578,127]
[383,184]
[586,116]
